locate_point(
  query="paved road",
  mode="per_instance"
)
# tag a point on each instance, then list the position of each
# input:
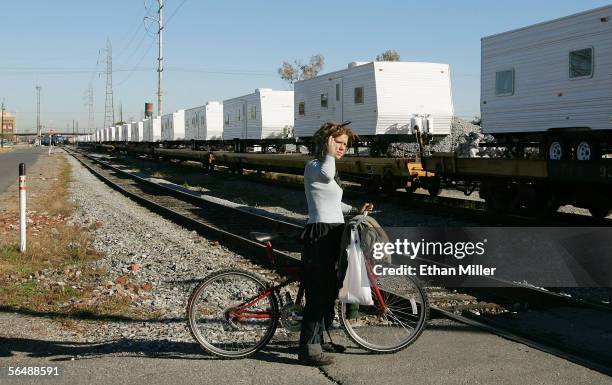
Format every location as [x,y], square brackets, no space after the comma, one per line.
[446,353]
[9,163]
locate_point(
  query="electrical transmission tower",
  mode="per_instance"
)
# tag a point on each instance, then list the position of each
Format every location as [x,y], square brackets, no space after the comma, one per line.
[109,108]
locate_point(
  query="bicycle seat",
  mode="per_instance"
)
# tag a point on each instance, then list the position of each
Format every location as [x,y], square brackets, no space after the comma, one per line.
[263,237]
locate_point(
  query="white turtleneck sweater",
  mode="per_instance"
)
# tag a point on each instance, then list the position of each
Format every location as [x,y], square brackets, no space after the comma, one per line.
[323,194]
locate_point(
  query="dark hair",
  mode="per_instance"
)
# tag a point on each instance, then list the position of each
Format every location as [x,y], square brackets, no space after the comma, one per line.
[319,139]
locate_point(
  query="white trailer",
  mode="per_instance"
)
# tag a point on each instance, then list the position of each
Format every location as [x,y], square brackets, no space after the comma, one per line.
[118,134]
[173,126]
[137,131]
[263,114]
[152,129]
[110,134]
[204,122]
[126,132]
[378,98]
[550,84]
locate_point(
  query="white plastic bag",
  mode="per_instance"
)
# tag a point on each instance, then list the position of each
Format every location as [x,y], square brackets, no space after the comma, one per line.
[356,285]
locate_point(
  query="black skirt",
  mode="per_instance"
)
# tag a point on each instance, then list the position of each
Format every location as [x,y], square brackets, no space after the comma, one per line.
[321,251]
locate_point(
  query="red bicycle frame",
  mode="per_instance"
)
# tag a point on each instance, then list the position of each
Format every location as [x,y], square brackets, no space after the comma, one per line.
[240,311]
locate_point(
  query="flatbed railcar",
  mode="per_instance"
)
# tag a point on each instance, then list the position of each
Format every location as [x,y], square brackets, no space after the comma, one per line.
[536,185]
[375,173]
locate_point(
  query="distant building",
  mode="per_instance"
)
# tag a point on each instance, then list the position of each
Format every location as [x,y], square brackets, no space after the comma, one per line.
[9,124]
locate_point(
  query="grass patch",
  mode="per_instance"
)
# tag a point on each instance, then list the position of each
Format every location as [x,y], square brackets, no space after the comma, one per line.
[56,274]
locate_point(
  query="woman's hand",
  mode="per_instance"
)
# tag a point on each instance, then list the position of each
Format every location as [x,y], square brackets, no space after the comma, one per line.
[331,146]
[366,207]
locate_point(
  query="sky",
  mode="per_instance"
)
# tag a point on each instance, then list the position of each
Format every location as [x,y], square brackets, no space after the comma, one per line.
[222,49]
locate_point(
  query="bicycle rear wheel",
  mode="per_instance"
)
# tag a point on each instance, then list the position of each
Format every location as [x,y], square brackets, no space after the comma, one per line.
[392,327]
[215,318]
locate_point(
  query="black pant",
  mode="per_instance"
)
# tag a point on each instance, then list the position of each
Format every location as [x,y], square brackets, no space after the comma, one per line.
[320,253]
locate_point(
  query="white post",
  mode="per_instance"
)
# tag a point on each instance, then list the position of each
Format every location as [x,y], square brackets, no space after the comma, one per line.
[22,207]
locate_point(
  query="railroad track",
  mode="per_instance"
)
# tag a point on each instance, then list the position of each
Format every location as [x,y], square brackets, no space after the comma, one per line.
[470,210]
[226,224]
[209,218]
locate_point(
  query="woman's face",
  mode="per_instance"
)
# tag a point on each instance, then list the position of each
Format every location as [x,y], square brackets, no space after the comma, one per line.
[341,144]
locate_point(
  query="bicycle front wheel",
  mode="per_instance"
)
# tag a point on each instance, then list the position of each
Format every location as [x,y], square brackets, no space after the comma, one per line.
[389,325]
[229,314]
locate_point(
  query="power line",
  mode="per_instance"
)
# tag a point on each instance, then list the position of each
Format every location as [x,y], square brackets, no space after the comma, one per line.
[175,11]
[135,49]
[136,66]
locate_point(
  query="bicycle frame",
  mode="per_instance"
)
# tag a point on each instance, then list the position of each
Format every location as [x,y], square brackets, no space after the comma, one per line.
[240,312]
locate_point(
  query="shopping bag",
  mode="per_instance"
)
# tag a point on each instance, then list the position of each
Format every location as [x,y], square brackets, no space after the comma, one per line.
[356,285]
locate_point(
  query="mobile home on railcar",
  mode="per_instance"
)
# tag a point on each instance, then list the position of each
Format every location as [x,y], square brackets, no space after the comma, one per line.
[152,129]
[173,126]
[126,132]
[264,114]
[378,98]
[137,131]
[551,84]
[110,133]
[118,133]
[204,122]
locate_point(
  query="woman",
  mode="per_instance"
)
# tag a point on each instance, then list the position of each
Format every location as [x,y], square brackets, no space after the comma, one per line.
[321,238]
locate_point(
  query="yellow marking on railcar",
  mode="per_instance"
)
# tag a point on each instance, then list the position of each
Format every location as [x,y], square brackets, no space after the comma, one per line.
[447,163]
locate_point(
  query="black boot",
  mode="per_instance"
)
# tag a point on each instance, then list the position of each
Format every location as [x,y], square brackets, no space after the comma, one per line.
[332,347]
[320,359]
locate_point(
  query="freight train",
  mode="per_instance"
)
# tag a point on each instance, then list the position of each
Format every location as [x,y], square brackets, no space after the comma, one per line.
[546,97]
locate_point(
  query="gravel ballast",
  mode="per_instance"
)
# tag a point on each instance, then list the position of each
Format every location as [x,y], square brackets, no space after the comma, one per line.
[169,258]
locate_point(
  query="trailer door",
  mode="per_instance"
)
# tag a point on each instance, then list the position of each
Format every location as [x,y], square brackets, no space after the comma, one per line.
[336,99]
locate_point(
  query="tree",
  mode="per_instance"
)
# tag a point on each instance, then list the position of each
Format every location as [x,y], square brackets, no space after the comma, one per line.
[300,71]
[288,72]
[388,55]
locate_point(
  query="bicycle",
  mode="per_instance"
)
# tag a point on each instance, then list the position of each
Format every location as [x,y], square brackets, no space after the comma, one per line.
[234,313]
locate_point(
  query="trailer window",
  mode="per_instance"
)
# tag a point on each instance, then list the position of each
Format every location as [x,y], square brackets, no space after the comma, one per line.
[359,95]
[581,63]
[302,108]
[226,119]
[254,112]
[323,100]
[504,83]
[238,115]
[337,92]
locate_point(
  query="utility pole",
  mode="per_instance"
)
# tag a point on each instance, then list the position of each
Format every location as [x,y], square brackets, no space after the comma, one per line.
[2,128]
[77,132]
[160,57]
[109,108]
[38,129]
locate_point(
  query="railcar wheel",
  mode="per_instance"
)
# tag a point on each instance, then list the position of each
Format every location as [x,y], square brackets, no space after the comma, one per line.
[583,151]
[411,186]
[556,150]
[587,150]
[433,186]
